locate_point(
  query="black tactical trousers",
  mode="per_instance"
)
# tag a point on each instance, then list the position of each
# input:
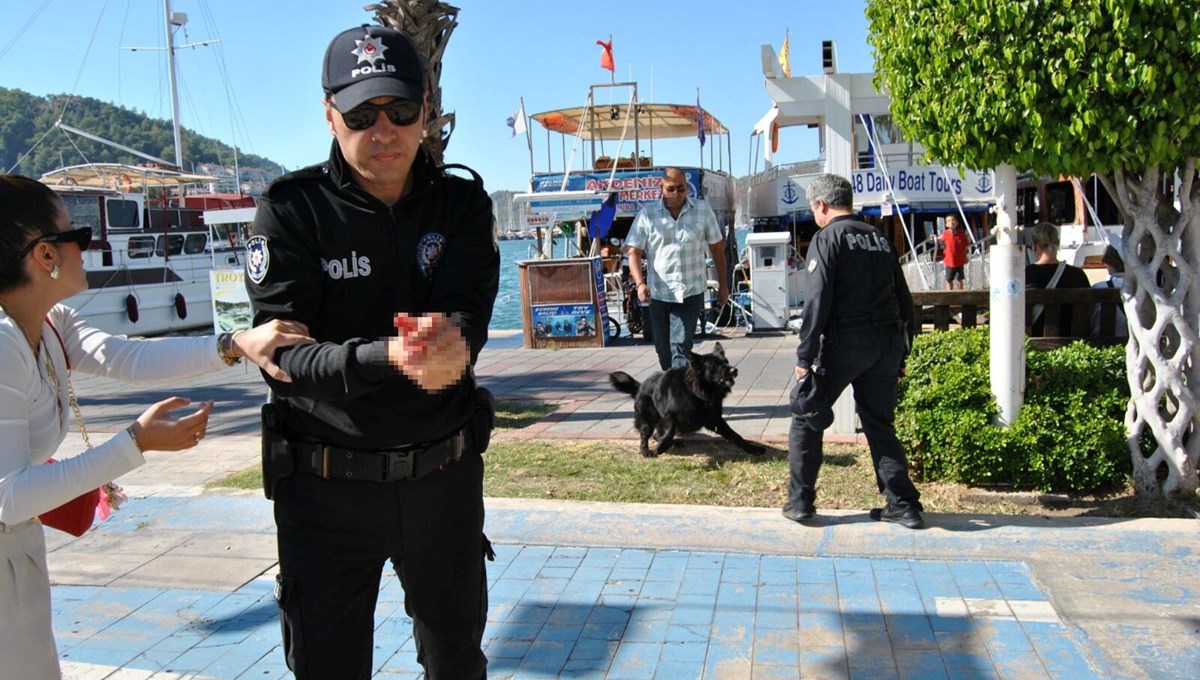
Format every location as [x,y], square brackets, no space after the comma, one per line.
[869,360]
[334,538]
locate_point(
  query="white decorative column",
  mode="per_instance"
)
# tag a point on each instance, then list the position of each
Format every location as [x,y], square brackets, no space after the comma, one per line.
[1007,305]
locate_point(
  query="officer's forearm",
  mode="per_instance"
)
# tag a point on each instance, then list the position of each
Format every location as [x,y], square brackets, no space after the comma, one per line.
[331,371]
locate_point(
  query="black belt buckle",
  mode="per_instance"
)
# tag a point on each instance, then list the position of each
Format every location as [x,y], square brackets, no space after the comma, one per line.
[398,465]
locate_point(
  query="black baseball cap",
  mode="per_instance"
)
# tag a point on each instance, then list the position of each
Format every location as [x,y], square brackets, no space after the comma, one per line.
[372,61]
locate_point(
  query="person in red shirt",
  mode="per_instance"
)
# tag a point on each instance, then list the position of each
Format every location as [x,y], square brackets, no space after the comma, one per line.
[954,252]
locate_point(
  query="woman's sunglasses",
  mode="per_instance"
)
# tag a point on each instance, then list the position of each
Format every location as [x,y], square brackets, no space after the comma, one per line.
[80,237]
[401,112]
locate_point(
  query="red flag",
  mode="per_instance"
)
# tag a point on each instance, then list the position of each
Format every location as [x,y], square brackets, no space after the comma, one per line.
[606,57]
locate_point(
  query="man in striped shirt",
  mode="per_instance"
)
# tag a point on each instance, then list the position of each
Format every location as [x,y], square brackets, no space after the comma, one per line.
[675,235]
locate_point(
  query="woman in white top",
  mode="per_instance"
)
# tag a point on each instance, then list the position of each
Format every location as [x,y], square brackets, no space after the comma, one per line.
[41,342]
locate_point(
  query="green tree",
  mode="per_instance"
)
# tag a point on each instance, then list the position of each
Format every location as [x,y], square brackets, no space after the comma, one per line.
[26,133]
[1075,87]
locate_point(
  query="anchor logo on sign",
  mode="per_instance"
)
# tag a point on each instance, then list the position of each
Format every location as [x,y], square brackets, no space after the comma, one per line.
[984,185]
[790,195]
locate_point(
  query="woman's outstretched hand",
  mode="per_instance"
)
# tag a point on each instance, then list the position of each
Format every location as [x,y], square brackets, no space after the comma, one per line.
[158,430]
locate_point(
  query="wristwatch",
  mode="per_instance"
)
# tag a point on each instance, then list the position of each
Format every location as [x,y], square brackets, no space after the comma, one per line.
[225,349]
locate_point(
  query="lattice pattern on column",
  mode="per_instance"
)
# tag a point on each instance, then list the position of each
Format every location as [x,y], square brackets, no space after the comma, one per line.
[1162,294]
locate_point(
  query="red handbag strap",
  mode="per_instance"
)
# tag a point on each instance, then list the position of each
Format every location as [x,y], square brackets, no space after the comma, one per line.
[63,345]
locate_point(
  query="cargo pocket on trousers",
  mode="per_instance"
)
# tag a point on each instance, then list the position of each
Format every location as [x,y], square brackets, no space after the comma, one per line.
[289,618]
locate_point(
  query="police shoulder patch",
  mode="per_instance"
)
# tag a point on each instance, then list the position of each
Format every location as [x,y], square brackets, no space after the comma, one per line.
[812,266]
[429,251]
[258,258]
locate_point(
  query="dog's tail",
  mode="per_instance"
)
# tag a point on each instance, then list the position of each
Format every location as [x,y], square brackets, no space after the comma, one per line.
[624,382]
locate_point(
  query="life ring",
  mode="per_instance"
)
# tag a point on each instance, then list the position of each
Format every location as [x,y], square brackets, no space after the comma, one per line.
[131,308]
[180,306]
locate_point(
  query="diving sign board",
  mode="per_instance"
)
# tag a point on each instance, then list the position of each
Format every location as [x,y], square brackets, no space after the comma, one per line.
[563,205]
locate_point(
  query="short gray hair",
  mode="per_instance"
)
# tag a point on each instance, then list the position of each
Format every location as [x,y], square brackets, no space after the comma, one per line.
[834,190]
[1045,236]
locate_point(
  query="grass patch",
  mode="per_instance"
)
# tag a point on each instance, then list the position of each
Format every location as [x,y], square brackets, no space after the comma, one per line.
[515,415]
[248,479]
[713,472]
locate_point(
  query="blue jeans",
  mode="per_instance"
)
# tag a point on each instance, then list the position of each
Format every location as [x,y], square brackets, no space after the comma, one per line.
[674,328]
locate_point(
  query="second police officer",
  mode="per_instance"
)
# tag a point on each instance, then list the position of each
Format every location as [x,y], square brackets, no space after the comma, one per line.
[856,331]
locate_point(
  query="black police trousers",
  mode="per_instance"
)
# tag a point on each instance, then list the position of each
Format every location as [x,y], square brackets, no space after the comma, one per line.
[335,536]
[868,359]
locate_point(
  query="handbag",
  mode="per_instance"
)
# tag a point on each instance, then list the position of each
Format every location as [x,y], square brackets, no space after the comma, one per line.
[77,515]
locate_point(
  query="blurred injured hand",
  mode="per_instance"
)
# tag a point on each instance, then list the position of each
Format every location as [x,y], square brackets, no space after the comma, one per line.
[430,350]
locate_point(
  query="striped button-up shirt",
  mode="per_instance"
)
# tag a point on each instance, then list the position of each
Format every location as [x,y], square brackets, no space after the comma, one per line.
[676,248]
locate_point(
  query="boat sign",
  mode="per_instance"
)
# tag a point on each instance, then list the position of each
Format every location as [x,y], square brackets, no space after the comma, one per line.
[563,205]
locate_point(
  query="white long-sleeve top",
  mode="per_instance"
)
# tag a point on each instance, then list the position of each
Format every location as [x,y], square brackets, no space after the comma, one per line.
[31,427]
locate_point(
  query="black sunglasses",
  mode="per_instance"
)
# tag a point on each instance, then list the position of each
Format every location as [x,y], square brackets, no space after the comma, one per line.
[80,237]
[401,112]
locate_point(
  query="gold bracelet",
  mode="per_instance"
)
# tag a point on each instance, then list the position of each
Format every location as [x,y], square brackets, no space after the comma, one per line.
[225,349]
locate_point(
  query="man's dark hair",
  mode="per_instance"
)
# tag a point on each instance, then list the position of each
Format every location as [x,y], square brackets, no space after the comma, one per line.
[28,209]
[1112,258]
[834,190]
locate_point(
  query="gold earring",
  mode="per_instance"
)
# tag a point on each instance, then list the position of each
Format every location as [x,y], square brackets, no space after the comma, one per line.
[55,273]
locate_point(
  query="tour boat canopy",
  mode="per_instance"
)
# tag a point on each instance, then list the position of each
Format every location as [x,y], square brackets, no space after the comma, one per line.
[121,176]
[606,121]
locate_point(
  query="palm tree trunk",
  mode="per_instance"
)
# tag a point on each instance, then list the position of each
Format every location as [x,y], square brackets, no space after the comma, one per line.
[429,23]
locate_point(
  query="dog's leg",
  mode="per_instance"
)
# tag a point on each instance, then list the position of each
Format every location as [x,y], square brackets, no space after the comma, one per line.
[722,428]
[645,431]
[668,437]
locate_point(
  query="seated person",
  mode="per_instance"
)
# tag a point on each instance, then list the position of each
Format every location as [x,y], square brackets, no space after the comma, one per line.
[611,252]
[1047,272]
[1116,279]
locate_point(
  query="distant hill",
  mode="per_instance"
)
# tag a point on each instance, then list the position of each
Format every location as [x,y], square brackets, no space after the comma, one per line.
[25,117]
[508,217]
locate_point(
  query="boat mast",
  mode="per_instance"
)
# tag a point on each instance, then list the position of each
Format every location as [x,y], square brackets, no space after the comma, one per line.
[174,20]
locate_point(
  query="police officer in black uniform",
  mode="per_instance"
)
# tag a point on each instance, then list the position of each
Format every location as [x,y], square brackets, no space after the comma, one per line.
[858,314]
[373,452]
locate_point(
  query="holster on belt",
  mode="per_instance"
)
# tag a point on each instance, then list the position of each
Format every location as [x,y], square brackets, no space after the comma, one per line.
[277,461]
[483,419]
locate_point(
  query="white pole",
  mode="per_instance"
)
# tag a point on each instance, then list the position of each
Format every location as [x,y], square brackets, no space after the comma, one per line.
[1007,323]
[174,87]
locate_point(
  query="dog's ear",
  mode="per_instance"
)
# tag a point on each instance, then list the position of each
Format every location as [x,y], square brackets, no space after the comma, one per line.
[692,357]
[718,350]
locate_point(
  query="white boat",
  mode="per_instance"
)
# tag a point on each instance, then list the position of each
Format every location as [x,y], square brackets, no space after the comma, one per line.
[614,144]
[896,187]
[152,252]
[149,261]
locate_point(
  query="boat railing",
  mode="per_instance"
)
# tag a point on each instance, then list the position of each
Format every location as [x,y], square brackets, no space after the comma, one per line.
[788,170]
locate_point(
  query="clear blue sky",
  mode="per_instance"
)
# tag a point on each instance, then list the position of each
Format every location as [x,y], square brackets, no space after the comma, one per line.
[501,51]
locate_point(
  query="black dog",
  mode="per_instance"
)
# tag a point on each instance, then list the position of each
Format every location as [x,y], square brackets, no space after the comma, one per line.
[683,400]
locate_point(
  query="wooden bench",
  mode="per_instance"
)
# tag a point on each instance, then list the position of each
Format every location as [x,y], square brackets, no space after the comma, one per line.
[943,307]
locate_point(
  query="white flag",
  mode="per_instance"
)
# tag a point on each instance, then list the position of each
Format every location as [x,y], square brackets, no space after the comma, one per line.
[517,122]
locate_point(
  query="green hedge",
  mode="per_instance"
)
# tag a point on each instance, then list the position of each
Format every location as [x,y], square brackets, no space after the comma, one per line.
[1070,435]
